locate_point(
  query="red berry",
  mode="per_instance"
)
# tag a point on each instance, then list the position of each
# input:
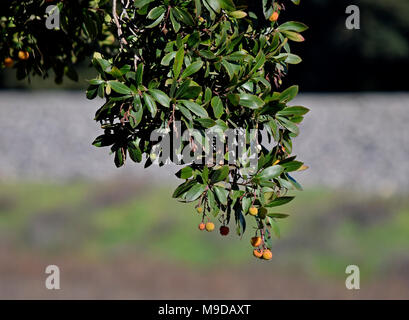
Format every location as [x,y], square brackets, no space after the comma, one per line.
[224,231]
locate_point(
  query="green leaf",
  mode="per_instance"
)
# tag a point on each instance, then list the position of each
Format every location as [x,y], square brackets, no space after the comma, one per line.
[238,14]
[274,129]
[177,65]
[205,174]
[168,58]
[96,81]
[175,23]
[156,22]
[185,112]
[195,192]
[260,60]
[119,158]
[104,141]
[206,122]
[119,87]
[134,151]
[291,166]
[184,16]
[250,101]
[198,6]
[105,64]
[292,26]
[294,36]
[219,174]
[270,172]
[288,94]
[292,59]
[217,106]
[137,116]
[274,226]
[183,188]
[293,111]
[150,104]
[227,4]
[156,13]
[213,5]
[139,74]
[185,173]
[221,194]
[279,201]
[160,97]
[207,54]
[141,3]
[195,108]
[291,126]
[278,215]
[294,182]
[192,69]
[230,68]
[246,203]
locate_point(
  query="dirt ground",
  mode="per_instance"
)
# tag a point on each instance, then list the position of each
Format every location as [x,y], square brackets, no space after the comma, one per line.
[22,276]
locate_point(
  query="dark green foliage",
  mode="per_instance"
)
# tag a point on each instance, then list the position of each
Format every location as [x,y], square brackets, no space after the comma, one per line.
[208,64]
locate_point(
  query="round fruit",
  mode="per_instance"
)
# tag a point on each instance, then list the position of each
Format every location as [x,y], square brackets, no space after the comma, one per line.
[8,62]
[199,210]
[202,226]
[210,226]
[23,55]
[274,16]
[224,231]
[255,241]
[253,211]
[257,253]
[267,255]
[262,213]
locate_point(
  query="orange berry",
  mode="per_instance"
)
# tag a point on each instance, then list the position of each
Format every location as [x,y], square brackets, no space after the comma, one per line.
[224,231]
[23,55]
[8,62]
[267,255]
[209,226]
[253,211]
[199,210]
[255,241]
[274,16]
[257,253]
[202,226]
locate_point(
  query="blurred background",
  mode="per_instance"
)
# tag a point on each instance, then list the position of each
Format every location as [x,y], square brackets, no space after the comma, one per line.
[117,233]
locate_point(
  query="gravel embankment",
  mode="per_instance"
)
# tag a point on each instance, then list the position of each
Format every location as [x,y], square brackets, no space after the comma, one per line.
[357,141]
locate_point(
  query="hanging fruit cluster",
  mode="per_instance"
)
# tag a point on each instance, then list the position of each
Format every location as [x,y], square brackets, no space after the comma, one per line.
[206,65]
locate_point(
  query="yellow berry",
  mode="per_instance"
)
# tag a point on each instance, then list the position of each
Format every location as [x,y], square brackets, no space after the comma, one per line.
[267,255]
[209,226]
[253,211]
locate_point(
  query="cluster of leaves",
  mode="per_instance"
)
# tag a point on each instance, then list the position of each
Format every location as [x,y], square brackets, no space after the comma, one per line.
[83,30]
[209,64]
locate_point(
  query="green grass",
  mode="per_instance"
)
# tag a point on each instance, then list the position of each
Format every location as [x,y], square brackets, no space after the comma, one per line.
[321,236]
